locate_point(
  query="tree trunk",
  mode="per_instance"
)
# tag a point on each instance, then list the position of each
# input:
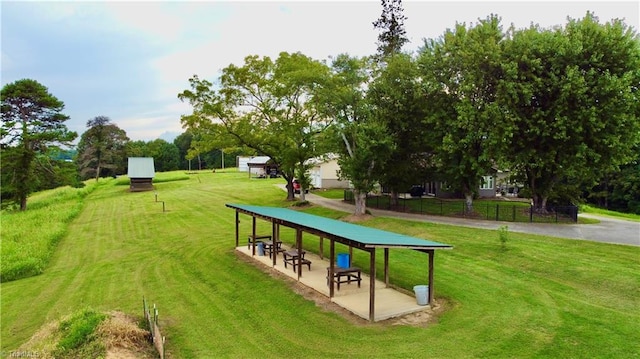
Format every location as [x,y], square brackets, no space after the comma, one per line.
[539,203]
[302,195]
[543,204]
[290,195]
[98,173]
[393,198]
[22,175]
[23,203]
[360,202]
[468,199]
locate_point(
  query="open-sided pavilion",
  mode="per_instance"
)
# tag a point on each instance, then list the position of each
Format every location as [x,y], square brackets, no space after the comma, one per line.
[352,235]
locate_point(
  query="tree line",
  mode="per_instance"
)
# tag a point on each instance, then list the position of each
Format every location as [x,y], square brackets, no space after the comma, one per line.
[37,151]
[558,108]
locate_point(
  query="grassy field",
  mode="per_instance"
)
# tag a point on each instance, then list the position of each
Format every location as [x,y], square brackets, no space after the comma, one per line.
[612,214]
[540,297]
[29,238]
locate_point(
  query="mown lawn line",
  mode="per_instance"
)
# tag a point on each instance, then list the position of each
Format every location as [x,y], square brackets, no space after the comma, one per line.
[470,329]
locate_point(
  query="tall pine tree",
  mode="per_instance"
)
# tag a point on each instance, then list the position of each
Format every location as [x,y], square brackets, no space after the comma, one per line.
[391,23]
[32,122]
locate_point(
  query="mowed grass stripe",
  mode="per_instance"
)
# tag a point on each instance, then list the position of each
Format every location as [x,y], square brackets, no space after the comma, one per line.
[205,242]
[541,297]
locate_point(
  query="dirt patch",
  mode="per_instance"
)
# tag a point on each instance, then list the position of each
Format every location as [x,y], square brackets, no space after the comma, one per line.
[352,218]
[421,319]
[124,339]
[119,333]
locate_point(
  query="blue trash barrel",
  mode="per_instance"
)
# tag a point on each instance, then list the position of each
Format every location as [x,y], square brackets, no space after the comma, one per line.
[260,248]
[422,294]
[343,260]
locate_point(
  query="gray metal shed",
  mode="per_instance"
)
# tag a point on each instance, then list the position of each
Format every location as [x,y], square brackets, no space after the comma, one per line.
[141,172]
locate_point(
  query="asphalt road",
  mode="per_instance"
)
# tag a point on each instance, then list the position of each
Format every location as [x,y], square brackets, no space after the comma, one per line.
[609,230]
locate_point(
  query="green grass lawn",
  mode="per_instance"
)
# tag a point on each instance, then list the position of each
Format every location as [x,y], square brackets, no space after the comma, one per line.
[540,297]
[333,193]
[603,212]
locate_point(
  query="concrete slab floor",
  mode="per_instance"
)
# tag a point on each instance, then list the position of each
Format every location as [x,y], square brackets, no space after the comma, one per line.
[389,303]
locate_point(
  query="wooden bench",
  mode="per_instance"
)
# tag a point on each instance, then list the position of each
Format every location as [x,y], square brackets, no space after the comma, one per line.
[291,257]
[345,275]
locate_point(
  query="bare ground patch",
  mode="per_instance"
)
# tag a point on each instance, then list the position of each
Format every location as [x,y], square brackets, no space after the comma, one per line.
[119,333]
[352,218]
[124,339]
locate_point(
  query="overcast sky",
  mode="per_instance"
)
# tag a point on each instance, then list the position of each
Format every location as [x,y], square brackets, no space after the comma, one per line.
[129,60]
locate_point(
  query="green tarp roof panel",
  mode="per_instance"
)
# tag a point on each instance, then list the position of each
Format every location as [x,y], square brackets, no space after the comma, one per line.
[369,237]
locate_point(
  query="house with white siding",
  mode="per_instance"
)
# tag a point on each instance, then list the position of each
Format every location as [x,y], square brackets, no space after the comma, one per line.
[324,173]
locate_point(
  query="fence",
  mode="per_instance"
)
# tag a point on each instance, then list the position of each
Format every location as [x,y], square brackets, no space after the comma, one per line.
[491,210]
[152,319]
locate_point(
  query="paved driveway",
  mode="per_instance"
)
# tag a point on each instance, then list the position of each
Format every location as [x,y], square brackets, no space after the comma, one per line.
[608,230]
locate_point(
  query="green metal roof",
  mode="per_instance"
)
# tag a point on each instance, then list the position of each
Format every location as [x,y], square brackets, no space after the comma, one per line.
[368,237]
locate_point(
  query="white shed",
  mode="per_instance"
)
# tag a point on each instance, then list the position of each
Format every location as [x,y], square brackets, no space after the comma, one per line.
[324,173]
[242,162]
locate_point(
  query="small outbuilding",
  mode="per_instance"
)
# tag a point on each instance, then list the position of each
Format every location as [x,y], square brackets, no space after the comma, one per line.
[324,173]
[262,167]
[141,172]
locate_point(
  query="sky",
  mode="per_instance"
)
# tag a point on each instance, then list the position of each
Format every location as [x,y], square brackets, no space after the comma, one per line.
[129,60]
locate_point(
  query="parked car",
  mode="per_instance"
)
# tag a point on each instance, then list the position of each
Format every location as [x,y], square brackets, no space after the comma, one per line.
[416,191]
[297,187]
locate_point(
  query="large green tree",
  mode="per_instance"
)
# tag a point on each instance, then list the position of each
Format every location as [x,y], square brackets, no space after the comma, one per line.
[49,171]
[183,143]
[618,190]
[101,148]
[571,96]
[360,139]
[461,72]
[136,148]
[625,188]
[397,101]
[166,156]
[32,121]
[268,106]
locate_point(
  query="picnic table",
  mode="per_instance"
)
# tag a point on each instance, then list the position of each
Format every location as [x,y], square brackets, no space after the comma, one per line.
[269,247]
[345,275]
[292,257]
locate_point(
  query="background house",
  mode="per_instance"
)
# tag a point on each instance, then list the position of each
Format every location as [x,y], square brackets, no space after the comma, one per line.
[438,189]
[324,173]
[141,172]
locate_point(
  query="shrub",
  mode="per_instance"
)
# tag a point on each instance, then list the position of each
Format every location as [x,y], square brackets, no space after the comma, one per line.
[503,235]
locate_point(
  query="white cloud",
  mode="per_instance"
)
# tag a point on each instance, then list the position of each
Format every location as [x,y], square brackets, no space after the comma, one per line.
[150,18]
[129,60]
[150,127]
